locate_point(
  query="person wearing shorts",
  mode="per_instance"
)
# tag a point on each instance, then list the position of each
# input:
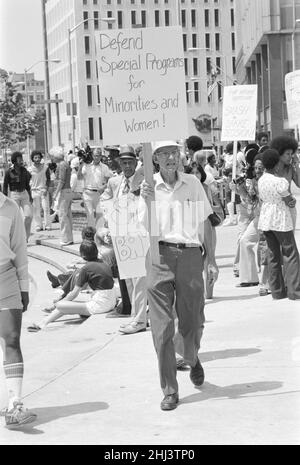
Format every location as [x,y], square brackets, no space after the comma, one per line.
[98,276]
[14,299]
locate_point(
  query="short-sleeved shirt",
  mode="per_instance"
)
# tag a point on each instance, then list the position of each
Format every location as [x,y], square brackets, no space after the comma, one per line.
[180,211]
[95,176]
[97,275]
[275,215]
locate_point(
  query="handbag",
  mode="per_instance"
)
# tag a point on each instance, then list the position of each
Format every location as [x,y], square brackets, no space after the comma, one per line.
[218,215]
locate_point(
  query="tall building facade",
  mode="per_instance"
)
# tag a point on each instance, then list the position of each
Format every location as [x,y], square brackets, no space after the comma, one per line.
[209,48]
[268,35]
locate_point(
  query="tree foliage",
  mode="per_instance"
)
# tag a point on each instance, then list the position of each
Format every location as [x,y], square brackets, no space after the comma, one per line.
[16,123]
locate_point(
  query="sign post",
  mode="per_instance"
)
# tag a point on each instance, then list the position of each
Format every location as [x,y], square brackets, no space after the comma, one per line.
[239,118]
[142,93]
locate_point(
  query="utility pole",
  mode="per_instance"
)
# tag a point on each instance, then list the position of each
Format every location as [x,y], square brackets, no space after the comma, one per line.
[47,77]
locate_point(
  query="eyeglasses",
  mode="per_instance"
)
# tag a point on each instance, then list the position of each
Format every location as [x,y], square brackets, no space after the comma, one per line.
[167,153]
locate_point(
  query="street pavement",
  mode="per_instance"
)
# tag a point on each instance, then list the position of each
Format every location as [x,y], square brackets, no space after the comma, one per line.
[89,384]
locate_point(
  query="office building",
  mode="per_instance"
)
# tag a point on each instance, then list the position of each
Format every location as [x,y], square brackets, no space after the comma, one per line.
[268,38]
[209,50]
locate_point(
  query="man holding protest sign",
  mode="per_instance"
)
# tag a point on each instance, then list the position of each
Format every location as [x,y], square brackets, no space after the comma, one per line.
[124,189]
[182,209]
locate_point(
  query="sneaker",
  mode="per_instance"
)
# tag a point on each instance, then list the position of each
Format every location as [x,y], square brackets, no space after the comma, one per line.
[38,229]
[197,374]
[18,416]
[64,244]
[48,228]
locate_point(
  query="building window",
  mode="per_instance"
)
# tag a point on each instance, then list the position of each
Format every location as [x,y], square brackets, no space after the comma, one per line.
[232,17]
[156,17]
[143,17]
[183,18]
[217,40]
[98,95]
[208,65]
[88,69]
[184,42]
[187,92]
[195,66]
[95,2]
[220,93]
[167,18]
[217,18]
[133,18]
[85,2]
[194,40]
[100,129]
[186,67]
[207,40]
[87,44]
[120,19]
[233,41]
[109,15]
[96,19]
[206,18]
[91,128]
[89,96]
[193,18]
[85,17]
[233,65]
[218,65]
[196,92]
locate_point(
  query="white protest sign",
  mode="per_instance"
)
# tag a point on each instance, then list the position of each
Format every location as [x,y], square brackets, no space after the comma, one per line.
[142,85]
[239,113]
[292,91]
[129,237]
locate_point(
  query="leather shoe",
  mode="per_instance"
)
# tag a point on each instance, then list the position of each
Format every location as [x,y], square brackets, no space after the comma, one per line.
[132,328]
[197,374]
[53,279]
[169,402]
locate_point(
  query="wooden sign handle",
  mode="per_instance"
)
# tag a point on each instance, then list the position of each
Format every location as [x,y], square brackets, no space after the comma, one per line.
[152,222]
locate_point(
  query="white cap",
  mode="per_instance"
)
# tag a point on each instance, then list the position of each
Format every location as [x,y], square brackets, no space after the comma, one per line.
[166,143]
[75,162]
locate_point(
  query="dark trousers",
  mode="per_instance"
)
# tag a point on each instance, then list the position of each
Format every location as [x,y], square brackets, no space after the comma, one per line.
[282,247]
[126,304]
[178,276]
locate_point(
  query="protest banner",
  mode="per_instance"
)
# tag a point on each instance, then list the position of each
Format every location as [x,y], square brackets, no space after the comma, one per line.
[292,91]
[142,85]
[142,93]
[239,113]
[239,118]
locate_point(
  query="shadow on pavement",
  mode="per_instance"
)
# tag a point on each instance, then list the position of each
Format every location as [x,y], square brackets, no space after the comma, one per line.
[49,414]
[228,353]
[234,391]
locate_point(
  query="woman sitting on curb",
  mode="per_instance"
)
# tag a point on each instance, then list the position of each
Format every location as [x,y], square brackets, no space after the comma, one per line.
[98,276]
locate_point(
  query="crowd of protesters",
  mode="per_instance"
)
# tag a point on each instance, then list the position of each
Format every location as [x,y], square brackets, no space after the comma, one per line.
[258,200]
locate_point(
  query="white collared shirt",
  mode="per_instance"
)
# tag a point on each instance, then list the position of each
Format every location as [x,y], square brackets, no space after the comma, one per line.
[13,244]
[95,176]
[180,211]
